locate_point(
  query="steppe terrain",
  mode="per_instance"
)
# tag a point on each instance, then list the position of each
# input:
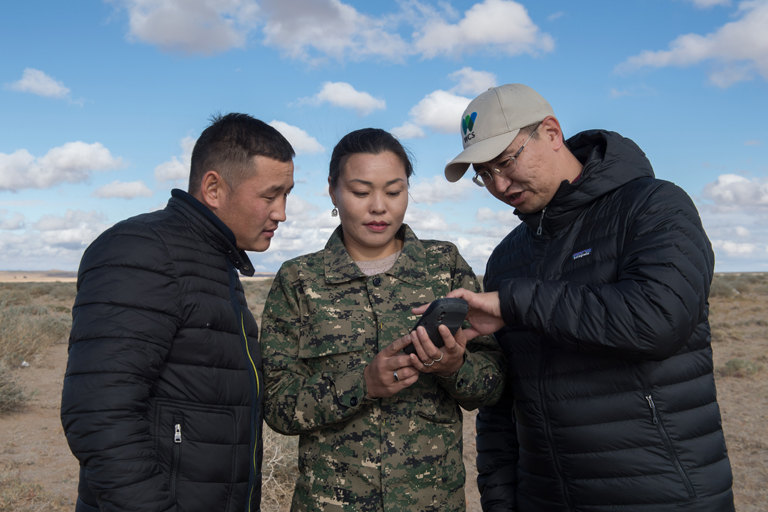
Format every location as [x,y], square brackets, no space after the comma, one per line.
[38,472]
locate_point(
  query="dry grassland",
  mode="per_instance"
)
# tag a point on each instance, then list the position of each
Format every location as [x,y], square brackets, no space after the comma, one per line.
[37,471]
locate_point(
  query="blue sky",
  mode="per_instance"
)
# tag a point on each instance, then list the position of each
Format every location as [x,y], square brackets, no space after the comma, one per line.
[101,102]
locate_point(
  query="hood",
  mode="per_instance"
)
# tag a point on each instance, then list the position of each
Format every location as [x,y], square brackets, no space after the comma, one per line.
[610,161]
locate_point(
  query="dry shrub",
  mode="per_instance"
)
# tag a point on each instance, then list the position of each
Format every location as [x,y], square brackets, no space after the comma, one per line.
[739,368]
[19,496]
[279,470]
[721,288]
[26,330]
[12,395]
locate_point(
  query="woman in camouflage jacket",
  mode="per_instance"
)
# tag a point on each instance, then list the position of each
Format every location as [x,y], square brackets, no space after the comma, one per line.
[379,430]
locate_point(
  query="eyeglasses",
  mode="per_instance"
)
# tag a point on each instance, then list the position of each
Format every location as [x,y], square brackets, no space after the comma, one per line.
[502,167]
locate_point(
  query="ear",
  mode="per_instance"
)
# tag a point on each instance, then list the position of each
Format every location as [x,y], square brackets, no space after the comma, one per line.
[213,190]
[551,132]
[332,192]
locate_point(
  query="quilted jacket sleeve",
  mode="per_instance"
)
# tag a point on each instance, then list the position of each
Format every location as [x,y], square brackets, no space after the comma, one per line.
[659,297]
[124,319]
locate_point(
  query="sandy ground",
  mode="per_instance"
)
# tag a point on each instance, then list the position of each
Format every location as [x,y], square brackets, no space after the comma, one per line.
[28,276]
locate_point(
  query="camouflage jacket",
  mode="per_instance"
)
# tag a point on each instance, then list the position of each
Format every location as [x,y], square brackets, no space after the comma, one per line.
[323,322]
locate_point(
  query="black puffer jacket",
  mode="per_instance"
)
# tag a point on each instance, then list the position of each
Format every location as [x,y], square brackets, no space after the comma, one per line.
[162,394]
[611,402]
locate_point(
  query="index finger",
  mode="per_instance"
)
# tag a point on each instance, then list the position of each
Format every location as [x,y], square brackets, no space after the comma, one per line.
[420,310]
[397,345]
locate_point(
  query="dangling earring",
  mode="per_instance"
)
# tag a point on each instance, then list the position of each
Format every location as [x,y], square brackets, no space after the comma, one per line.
[335,212]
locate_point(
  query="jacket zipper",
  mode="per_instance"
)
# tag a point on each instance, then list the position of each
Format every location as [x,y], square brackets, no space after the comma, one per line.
[548,433]
[176,458]
[668,445]
[255,412]
[541,220]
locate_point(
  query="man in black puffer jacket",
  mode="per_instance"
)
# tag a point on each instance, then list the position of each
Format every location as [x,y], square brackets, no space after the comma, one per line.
[599,300]
[162,394]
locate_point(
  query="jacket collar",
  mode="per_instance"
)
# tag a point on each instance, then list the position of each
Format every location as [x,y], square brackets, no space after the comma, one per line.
[610,161]
[410,267]
[214,229]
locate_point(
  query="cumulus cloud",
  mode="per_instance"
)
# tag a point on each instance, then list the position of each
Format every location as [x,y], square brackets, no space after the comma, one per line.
[191,26]
[408,130]
[738,50]
[312,29]
[734,248]
[733,192]
[301,141]
[428,223]
[741,231]
[706,4]
[37,82]
[342,94]
[73,231]
[438,189]
[471,81]
[123,189]
[439,110]
[177,168]
[71,163]
[10,222]
[502,26]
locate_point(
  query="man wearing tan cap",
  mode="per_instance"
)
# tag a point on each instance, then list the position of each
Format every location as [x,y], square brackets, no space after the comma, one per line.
[599,300]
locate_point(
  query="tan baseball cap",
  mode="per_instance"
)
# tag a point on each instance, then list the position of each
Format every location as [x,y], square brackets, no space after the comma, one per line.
[492,121]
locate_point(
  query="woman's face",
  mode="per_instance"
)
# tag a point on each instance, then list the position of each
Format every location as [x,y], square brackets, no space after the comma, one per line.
[372,196]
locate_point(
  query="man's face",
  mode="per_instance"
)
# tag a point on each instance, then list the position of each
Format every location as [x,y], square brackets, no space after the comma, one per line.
[528,184]
[253,210]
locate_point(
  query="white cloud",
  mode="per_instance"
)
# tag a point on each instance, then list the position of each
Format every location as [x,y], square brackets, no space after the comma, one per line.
[70,163]
[440,110]
[733,248]
[191,26]
[738,49]
[177,168]
[123,189]
[11,222]
[733,192]
[742,231]
[493,25]
[408,130]
[342,94]
[471,81]
[428,221]
[73,231]
[438,189]
[301,141]
[555,15]
[305,28]
[706,4]
[35,81]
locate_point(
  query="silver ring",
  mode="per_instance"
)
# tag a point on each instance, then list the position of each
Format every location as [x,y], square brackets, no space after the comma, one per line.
[441,357]
[430,364]
[396,377]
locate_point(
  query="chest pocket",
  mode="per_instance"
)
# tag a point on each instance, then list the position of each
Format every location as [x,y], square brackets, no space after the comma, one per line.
[329,341]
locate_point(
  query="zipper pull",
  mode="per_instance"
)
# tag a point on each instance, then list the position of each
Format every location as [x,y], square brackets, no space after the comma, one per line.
[177,433]
[652,405]
[541,220]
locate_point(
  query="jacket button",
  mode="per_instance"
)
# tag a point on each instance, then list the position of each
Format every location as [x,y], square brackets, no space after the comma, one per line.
[353,401]
[460,384]
[376,281]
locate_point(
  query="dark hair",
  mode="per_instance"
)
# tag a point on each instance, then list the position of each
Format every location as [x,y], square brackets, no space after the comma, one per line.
[229,143]
[531,129]
[373,141]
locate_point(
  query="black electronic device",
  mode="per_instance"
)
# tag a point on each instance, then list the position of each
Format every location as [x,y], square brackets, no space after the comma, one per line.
[446,311]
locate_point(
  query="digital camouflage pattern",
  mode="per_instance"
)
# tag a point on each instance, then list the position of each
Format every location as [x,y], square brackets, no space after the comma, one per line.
[324,320]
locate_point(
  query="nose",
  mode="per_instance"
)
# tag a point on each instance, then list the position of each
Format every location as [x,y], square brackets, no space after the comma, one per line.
[278,214]
[500,181]
[378,204]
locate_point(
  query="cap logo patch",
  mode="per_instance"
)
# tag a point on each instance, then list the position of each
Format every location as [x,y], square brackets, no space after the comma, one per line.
[468,123]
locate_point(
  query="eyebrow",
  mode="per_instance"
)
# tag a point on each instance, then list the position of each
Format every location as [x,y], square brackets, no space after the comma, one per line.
[277,188]
[370,183]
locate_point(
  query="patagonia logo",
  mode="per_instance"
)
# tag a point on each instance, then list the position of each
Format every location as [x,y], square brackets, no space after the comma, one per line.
[581,254]
[467,125]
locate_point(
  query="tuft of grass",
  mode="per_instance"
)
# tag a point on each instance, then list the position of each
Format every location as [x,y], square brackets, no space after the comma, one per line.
[12,395]
[739,368]
[279,470]
[26,330]
[19,496]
